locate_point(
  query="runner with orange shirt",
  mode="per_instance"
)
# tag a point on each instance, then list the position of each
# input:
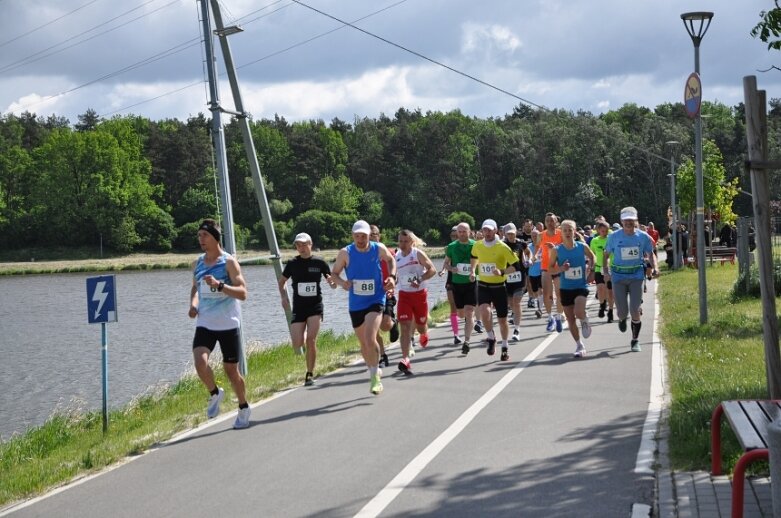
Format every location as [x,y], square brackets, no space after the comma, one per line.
[549,238]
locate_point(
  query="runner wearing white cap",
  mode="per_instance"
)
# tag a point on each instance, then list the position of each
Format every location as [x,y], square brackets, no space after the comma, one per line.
[361,263]
[494,259]
[305,271]
[627,270]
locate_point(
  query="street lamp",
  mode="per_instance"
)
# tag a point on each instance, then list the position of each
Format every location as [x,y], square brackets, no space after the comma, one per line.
[697,24]
[673,204]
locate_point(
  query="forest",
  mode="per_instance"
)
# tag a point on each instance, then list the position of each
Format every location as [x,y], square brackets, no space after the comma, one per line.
[134,184]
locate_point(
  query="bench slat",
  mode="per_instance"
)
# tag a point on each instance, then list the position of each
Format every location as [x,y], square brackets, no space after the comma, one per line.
[741,425]
[772,409]
[758,418]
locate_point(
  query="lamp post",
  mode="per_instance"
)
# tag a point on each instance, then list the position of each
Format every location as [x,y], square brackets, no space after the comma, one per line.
[673,204]
[697,24]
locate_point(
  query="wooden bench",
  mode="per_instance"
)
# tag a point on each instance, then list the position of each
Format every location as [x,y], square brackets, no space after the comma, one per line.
[749,420]
[722,254]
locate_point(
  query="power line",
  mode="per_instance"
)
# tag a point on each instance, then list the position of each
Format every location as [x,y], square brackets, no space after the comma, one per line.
[27,60]
[46,24]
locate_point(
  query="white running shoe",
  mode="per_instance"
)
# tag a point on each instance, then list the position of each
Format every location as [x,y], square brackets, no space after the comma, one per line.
[585,328]
[516,335]
[214,403]
[580,351]
[242,420]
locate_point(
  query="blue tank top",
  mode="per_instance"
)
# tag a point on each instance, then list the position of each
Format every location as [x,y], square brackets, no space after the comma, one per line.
[628,254]
[535,270]
[575,277]
[365,273]
[216,310]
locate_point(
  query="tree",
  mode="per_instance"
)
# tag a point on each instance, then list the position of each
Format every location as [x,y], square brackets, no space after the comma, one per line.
[769,29]
[88,121]
[337,195]
[718,193]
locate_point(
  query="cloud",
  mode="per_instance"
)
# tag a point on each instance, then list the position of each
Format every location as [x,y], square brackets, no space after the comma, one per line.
[486,38]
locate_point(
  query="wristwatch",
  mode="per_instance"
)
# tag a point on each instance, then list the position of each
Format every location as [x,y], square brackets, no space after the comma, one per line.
[220,286]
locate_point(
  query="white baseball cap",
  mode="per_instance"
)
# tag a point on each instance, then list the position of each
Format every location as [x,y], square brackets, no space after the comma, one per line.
[361,227]
[489,223]
[510,228]
[303,237]
[628,213]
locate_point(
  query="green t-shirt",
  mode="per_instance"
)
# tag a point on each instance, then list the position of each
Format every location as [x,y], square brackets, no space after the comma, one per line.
[460,253]
[597,246]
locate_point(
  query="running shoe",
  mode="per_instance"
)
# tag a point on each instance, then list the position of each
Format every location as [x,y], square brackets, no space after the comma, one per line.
[465,348]
[609,316]
[394,331]
[516,335]
[309,379]
[424,341]
[585,328]
[580,351]
[491,346]
[538,313]
[511,321]
[635,346]
[242,419]
[405,366]
[384,360]
[214,403]
[505,354]
[622,325]
[478,327]
[375,386]
[530,303]
[551,324]
[602,309]
[559,325]
[456,340]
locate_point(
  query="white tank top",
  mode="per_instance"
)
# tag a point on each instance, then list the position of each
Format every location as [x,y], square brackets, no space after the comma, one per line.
[408,269]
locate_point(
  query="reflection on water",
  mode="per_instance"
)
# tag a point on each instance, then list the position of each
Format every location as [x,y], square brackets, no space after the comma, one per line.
[51,356]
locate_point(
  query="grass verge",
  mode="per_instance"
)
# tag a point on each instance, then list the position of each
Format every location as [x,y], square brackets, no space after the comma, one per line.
[719,361]
[73,445]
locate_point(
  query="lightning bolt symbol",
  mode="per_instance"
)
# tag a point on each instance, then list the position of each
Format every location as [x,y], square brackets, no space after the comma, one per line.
[99,296]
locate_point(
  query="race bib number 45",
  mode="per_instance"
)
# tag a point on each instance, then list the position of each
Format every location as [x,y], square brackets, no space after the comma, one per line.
[363,287]
[630,253]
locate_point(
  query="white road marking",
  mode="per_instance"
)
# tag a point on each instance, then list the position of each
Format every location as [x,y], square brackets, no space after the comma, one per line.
[645,455]
[377,504]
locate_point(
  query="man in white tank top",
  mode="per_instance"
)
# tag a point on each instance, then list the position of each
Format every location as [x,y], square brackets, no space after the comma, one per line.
[413,269]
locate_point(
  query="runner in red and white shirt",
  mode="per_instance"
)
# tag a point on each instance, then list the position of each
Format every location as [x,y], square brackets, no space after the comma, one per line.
[413,270]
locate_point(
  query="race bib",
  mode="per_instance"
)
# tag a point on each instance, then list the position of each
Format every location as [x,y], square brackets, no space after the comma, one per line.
[207,292]
[464,269]
[363,287]
[307,289]
[630,253]
[408,280]
[574,273]
[487,268]
[514,277]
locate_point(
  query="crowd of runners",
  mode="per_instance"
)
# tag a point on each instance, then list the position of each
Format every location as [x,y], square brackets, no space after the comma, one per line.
[489,270]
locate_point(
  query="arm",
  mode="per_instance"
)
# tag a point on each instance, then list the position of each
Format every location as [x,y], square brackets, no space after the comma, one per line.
[472,266]
[553,265]
[445,266]
[283,292]
[339,265]
[238,287]
[193,296]
[428,265]
[385,255]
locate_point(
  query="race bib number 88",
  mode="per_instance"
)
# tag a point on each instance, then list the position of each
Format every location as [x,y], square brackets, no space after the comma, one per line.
[363,287]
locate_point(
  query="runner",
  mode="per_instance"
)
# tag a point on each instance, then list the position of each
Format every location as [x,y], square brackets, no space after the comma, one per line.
[526,236]
[449,290]
[305,271]
[630,248]
[550,238]
[361,263]
[516,281]
[535,275]
[494,259]
[217,287]
[570,259]
[458,256]
[604,288]
[389,322]
[414,268]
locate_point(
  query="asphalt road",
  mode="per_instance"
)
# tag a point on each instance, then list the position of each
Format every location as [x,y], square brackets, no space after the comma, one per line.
[544,434]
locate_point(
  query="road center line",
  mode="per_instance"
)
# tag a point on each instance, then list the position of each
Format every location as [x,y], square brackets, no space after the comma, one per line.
[377,504]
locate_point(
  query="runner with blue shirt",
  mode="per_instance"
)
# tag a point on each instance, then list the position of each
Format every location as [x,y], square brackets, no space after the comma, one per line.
[627,270]
[361,263]
[573,260]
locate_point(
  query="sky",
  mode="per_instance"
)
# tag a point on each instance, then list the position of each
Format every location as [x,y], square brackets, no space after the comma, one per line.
[145,57]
